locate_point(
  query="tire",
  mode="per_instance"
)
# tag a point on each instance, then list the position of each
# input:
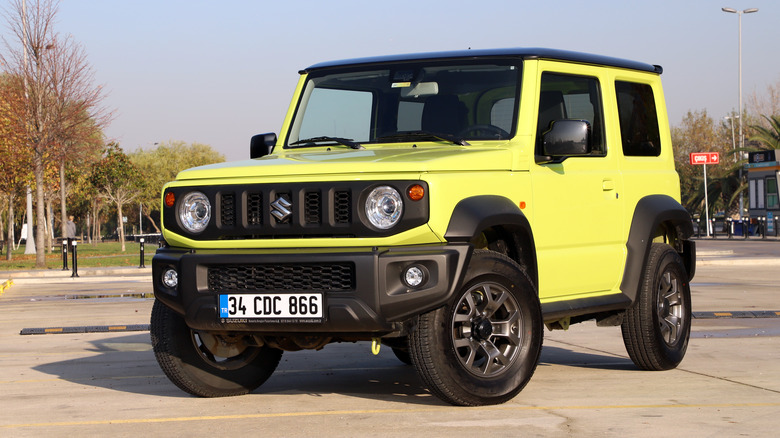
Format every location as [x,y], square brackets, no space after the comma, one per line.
[483,347]
[186,357]
[657,327]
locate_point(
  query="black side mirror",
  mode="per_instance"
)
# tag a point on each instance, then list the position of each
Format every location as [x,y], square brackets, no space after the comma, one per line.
[262,145]
[566,138]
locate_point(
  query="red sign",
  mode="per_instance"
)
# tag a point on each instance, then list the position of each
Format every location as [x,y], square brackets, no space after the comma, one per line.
[705,158]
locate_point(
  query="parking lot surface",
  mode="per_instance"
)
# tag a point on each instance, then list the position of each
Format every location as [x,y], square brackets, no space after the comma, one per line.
[105,381]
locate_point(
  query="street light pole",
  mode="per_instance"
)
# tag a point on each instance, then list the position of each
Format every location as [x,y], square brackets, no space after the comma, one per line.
[737,155]
[741,136]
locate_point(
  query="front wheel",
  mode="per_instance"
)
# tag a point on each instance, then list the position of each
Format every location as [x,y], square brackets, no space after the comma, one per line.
[483,347]
[205,364]
[657,327]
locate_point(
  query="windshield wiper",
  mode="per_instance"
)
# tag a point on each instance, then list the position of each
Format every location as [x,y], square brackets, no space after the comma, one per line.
[339,140]
[424,135]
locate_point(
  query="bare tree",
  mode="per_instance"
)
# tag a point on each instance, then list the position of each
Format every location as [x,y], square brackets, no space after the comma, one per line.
[59,89]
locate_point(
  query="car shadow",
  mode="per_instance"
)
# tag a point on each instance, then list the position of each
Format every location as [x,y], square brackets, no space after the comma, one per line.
[127,364]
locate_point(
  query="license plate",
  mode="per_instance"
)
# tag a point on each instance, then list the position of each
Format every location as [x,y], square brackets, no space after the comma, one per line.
[271,306]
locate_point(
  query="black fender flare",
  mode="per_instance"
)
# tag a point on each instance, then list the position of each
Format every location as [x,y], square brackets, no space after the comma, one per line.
[474,214]
[650,212]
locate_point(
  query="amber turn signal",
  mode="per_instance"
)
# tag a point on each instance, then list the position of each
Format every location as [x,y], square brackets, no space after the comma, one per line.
[170,199]
[416,192]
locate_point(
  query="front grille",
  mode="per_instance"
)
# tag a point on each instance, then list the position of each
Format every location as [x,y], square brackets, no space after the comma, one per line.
[292,211]
[228,209]
[336,277]
[312,205]
[342,203]
[254,209]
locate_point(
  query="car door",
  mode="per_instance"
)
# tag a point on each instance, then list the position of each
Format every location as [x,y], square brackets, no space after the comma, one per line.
[578,215]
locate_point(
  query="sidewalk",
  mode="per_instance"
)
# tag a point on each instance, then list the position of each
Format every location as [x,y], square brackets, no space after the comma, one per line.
[7,278]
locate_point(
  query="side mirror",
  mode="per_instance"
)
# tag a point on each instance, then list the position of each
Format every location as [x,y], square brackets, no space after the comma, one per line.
[566,138]
[262,145]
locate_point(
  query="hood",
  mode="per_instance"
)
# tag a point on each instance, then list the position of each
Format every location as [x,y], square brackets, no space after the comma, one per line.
[338,161]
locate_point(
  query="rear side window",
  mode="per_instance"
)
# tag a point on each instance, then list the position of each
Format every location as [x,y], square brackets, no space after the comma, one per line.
[638,119]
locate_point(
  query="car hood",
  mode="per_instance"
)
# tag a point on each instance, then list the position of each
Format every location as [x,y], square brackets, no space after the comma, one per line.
[348,161]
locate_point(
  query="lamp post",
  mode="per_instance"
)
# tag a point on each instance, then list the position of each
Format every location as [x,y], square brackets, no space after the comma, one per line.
[736,160]
[741,137]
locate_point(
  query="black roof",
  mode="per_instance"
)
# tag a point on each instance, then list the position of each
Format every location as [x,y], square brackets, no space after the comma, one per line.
[521,53]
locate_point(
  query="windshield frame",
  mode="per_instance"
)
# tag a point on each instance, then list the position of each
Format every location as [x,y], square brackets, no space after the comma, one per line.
[397,72]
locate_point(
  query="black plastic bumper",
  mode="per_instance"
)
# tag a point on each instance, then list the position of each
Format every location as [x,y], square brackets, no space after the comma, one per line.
[373,300]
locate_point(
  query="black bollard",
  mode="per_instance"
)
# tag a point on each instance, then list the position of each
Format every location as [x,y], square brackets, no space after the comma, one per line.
[75,261]
[763,227]
[729,224]
[64,254]
[142,254]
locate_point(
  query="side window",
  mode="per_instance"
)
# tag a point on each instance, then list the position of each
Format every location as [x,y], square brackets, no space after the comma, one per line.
[571,97]
[502,112]
[338,113]
[638,119]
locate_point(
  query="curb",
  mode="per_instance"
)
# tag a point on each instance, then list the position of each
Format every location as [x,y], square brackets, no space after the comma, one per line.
[738,261]
[85,272]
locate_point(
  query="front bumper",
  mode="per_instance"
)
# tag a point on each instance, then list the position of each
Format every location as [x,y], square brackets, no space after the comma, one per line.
[368,296]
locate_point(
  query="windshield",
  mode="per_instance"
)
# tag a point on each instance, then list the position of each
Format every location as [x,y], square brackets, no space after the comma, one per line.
[453,102]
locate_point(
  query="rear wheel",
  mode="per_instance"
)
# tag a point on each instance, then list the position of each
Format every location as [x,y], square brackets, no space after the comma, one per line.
[484,346]
[657,327]
[205,364]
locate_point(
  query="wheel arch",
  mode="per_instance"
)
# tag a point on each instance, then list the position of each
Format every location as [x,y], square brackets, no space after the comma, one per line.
[656,217]
[496,223]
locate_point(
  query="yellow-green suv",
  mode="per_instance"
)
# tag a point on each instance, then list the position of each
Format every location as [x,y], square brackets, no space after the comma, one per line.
[448,205]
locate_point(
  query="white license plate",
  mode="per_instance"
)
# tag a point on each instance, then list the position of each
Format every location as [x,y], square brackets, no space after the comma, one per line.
[271,306]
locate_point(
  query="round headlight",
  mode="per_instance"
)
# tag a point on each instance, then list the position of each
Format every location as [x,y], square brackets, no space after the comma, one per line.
[170,278]
[194,212]
[384,207]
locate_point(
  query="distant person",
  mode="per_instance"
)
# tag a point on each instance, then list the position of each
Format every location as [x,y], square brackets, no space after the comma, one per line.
[70,231]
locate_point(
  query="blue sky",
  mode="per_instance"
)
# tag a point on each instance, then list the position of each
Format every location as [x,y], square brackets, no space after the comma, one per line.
[219,72]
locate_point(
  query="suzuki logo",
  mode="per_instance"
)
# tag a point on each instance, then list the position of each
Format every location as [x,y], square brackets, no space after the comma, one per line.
[280,209]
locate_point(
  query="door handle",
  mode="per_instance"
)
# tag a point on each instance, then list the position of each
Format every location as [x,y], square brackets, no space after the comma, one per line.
[607,185]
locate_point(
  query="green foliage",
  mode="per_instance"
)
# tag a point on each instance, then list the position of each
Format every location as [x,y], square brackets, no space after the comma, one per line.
[769,137]
[161,165]
[116,177]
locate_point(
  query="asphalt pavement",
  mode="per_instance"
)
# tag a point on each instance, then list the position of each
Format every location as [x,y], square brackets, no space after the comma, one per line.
[107,382]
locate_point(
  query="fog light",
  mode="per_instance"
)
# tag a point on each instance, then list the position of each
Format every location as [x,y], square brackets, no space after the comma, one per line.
[414,276]
[170,278]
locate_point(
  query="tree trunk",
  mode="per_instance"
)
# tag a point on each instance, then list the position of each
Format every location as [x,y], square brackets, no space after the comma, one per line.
[156,229]
[49,225]
[120,224]
[2,228]
[40,250]
[63,194]
[9,243]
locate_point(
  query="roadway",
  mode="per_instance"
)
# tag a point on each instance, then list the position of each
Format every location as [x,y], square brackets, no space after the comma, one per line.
[108,383]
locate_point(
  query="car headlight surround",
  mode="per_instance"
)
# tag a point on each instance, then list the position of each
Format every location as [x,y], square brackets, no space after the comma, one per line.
[384,207]
[194,212]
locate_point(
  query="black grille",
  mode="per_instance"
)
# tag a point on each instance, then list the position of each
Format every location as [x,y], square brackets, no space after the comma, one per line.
[227,213]
[312,205]
[254,209]
[335,277]
[342,210]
